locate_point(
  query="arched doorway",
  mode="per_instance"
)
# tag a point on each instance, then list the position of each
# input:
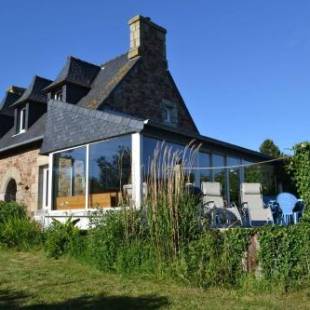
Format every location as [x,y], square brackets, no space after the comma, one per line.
[11,189]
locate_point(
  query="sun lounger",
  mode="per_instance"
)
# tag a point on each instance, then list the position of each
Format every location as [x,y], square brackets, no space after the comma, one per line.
[213,204]
[252,201]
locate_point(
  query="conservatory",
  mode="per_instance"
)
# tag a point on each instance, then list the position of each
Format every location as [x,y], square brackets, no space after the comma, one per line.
[96,175]
[102,158]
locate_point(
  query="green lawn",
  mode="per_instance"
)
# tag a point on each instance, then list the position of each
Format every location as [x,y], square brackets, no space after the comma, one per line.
[32,281]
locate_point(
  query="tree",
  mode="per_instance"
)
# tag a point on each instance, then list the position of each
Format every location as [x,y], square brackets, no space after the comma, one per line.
[268,147]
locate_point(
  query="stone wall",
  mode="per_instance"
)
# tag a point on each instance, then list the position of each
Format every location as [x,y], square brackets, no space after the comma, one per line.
[142,93]
[23,167]
[149,84]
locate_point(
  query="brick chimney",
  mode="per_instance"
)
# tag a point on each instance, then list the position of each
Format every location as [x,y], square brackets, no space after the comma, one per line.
[147,39]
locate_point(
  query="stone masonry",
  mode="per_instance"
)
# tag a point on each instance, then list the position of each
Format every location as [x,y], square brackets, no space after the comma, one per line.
[149,83]
[23,167]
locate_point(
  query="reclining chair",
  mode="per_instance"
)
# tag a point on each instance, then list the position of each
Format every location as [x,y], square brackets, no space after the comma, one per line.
[252,202]
[214,205]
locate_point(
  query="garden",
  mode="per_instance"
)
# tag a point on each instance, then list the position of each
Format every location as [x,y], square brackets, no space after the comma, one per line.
[161,255]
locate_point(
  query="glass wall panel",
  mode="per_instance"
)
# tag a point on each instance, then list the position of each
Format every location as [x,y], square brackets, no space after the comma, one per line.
[204,162]
[263,174]
[165,154]
[234,180]
[219,175]
[69,181]
[149,147]
[109,171]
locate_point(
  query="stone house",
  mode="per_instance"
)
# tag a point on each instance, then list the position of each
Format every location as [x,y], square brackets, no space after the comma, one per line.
[61,141]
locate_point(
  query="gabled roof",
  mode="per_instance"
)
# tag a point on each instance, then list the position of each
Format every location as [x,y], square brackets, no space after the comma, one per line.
[110,75]
[34,91]
[76,71]
[12,95]
[70,125]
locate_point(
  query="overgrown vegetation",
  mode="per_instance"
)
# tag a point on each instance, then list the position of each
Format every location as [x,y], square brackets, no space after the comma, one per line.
[168,238]
[300,169]
[61,238]
[16,228]
[285,254]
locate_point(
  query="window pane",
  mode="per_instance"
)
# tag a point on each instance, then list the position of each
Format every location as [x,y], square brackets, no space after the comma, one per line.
[23,119]
[41,189]
[234,179]
[168,154]
[219,175]
[205,161]
[109,171]
[69,179]
[263,174]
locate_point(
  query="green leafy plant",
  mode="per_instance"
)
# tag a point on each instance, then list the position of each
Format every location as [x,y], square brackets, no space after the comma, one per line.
[285,254]
[21,233]
[16,228]
[300,168]
[10,210]
[61,237]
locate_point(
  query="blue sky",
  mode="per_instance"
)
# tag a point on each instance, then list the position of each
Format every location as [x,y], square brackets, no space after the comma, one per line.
[243,67]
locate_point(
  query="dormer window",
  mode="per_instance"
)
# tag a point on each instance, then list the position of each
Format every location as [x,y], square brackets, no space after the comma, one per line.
[58,95]
[21,120]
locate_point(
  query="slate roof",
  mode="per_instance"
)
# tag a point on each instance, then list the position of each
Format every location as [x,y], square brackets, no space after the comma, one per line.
[110,75]
[67,125]
[76,71]
[207,141]
[34,91]
[70,125]
[83,128]
[34,133]
[6,122]
[11,96]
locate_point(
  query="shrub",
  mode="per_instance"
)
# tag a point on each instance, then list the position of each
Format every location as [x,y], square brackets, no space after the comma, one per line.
[16,228]
[216,257]
[21,233]
[60,238]
[135,257]
[285,254]
[10,210]
[202,259]
[300,168]
[111,234]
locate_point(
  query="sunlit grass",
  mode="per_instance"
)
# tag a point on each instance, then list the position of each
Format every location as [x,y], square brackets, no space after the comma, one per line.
[33,281]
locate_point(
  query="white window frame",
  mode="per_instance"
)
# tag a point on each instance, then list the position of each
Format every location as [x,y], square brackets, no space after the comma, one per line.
[45,187]
[58,95]
[22,114]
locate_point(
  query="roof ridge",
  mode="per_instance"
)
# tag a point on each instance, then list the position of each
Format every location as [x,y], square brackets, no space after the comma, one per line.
[112,60]
[41,78]
[32,89]
[83,61]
